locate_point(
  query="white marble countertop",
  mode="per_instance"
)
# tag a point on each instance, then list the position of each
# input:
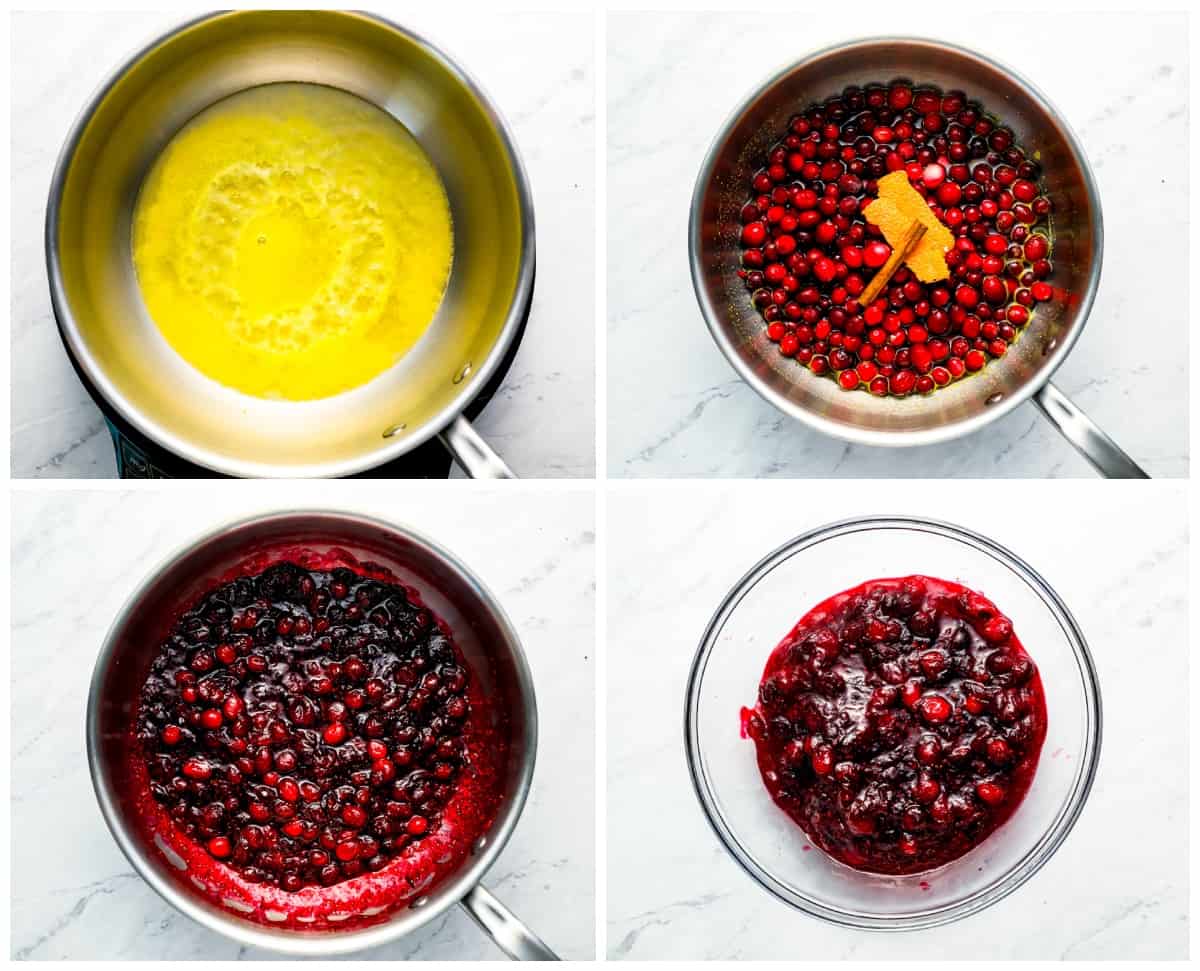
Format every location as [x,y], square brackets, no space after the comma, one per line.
[676,407]
[542,419]
[78,554]
[1117,556]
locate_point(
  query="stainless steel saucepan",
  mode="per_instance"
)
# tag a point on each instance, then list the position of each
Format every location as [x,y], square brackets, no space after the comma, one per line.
[965,406]
[115,345]
[481,631]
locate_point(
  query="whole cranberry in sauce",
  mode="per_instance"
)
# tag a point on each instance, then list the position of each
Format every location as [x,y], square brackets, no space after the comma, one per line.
[305,726]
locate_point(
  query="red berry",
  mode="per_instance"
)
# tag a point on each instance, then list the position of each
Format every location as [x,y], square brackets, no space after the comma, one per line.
[804,199]
[753,234]
[876,254]
[949,194]
[997,630]
[926,789]
[902,382]
[933,708]
[197,768]
[824,269]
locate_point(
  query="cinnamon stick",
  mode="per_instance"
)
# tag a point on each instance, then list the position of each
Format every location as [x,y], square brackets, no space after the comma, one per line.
[900,252]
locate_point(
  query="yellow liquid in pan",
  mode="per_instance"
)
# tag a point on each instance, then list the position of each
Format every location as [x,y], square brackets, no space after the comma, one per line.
[292,241]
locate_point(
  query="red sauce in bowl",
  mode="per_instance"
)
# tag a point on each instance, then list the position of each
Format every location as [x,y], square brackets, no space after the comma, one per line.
[899,723]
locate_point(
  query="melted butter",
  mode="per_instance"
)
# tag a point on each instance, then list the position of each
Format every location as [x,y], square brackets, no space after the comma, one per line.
[292,241]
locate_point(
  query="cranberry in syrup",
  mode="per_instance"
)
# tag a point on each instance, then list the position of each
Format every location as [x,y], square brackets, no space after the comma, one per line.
[305,726]
[808,252]
[899,724]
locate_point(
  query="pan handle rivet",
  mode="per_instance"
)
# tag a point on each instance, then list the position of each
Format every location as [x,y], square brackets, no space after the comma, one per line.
[463,372]
[420,902]
[394,430]
[995,398]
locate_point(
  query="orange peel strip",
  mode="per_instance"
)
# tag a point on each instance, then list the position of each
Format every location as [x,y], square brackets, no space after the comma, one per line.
[896,208]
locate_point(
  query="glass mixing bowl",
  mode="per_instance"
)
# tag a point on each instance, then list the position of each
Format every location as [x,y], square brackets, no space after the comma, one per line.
[759,612]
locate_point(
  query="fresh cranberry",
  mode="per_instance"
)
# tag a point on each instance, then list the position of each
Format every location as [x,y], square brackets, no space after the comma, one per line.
[899,723]
[876,254]
[807,251]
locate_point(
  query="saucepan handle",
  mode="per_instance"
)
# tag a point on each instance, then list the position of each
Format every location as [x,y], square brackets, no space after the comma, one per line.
[1105,455]
[513,938]
[472,453]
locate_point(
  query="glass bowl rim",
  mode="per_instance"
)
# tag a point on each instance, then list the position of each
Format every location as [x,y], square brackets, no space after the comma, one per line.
[1041,851]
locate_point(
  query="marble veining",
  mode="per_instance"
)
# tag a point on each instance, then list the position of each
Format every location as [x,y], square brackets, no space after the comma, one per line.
[1118,886]
[541,420]
[78,555]
[676,407]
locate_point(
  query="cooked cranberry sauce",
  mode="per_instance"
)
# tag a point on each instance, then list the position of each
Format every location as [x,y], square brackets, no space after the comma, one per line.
[808,252]
[305,726]
[899,723]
